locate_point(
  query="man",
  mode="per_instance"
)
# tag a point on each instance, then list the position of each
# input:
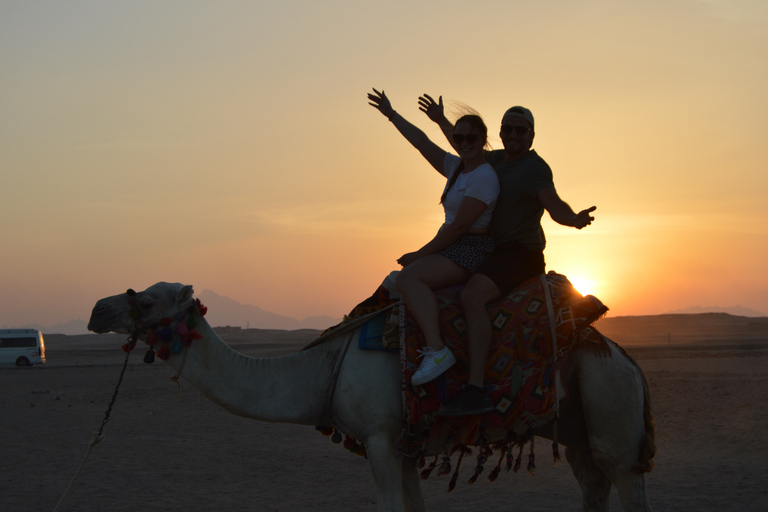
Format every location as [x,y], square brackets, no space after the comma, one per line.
[527,189]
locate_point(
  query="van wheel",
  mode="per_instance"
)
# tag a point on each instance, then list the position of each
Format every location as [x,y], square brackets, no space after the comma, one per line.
[23,361]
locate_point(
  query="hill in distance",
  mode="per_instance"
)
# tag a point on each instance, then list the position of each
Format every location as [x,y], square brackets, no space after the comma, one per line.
[680,326]
[222,311]
[677,329]
[733,310]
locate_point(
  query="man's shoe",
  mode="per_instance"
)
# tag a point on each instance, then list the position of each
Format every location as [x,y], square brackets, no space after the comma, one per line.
[470,401]
[433,365]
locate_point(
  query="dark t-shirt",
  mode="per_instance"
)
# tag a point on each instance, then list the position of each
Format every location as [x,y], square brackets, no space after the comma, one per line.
[518,211]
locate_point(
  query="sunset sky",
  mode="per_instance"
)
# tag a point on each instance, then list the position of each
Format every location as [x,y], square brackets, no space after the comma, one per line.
[229,145]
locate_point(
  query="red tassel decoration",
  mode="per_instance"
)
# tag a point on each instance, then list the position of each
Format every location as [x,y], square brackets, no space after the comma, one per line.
[425,474]
[455,477]
[359,450]
[481,458]
[164,353]
[519,459]
[478,470]
[531,460]
[495,473]
[464,450]
[445,467]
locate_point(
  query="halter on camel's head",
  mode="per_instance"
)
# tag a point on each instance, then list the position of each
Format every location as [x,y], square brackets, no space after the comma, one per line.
[165,316]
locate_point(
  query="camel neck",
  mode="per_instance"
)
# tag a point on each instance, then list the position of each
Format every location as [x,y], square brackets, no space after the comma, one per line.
[290,389]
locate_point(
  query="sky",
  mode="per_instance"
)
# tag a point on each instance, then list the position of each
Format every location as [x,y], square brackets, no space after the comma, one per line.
[229,145]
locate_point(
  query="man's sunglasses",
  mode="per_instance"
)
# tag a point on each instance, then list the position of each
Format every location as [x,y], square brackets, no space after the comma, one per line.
[471,138]
[519,130]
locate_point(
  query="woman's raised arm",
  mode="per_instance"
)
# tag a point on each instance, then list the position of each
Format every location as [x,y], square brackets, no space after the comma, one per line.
[434,154]
[436,112]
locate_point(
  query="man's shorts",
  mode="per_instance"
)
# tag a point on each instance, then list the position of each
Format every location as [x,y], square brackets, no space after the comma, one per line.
[511,264]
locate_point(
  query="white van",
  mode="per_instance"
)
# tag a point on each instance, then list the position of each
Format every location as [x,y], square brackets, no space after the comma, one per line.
[22,347]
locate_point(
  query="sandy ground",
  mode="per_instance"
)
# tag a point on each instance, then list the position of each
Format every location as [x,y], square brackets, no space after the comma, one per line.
[163,453]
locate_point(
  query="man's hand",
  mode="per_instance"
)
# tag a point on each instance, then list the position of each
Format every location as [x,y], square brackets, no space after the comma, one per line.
[583,218]
[434,110]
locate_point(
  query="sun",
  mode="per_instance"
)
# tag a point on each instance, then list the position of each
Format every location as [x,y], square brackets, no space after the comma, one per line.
[583,285]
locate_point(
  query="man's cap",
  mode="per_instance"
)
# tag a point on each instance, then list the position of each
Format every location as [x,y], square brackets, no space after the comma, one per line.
[519,112]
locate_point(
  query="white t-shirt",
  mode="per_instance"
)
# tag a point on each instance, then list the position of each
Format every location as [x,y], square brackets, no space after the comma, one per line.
[481,183]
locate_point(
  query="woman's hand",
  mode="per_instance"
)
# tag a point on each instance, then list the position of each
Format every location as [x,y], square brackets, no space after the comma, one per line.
[408,258]
[380,101]
[435,111]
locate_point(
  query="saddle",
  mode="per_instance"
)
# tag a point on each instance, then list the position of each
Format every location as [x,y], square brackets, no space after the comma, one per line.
[535,327]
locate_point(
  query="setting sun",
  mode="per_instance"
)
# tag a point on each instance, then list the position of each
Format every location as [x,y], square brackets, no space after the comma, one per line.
[583,285]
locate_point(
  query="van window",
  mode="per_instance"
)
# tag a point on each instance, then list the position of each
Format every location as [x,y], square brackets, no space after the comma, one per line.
[17,342]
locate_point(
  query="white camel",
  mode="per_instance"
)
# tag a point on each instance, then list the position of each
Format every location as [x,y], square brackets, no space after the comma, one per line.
[605,421]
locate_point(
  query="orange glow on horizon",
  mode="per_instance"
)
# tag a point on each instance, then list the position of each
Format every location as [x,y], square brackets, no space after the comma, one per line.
[188,148]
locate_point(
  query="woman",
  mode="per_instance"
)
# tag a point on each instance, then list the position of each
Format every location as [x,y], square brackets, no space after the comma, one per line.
[463,242]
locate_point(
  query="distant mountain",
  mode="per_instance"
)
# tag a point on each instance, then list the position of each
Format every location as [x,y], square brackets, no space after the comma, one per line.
[222,311]
[225,311]
[733,310]
[71,328]
[681,328]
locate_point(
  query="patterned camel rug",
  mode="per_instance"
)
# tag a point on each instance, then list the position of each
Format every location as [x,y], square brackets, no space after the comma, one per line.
[534,328]
[522,369]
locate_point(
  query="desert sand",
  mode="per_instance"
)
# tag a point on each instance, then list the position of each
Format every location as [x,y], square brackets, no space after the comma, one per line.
[170,451]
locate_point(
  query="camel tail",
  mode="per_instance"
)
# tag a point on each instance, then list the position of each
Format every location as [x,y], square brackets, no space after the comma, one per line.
[648,444]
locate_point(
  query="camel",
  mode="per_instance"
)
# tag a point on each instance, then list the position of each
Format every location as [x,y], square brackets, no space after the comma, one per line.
[605,420]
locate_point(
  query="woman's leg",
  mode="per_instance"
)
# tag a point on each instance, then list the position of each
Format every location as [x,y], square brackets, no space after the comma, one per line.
[416,283]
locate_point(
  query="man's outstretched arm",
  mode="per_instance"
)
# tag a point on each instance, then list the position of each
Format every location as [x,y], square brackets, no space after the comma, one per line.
[561,212]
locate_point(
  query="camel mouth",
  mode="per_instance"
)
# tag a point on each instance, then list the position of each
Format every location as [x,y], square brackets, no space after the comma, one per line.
[102,319]
[104,326]
[99,327]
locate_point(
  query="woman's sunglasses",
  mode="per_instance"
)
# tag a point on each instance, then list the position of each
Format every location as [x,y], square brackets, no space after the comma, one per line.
[471,138]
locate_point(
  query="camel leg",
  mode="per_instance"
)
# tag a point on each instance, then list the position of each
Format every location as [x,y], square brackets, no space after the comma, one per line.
[612,398]
[629,484]
[387,474]
[595,486]
[414,499]
[631,487]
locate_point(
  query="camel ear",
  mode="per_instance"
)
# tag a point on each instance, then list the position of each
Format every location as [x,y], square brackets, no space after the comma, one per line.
[184,297]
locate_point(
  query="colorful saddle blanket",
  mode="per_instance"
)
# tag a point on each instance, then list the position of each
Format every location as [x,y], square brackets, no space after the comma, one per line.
[534,328]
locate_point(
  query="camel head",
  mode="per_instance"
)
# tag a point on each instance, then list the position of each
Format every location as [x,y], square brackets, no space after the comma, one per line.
[140,312]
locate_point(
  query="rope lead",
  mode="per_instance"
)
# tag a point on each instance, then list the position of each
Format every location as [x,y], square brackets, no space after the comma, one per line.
[98,435]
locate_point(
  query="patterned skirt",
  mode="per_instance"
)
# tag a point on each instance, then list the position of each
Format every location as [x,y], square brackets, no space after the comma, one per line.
[469,251]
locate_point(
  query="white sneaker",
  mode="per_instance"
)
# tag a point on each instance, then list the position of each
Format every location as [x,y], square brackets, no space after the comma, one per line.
[433,364]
